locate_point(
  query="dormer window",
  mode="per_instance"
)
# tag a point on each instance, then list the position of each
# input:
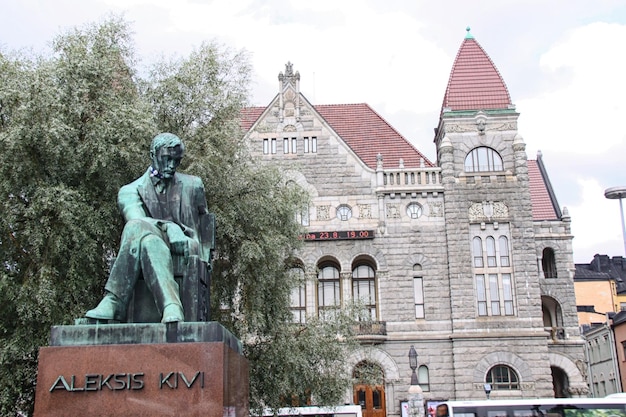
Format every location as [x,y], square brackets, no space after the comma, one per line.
[483,159]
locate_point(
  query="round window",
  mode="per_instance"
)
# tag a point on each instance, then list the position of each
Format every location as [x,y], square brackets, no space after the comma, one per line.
[414,210]
[344,212]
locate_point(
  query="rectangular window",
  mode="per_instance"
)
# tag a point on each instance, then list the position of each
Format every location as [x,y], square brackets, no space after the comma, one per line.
[294,145]
[494,294]
[306,145]
[418,293]
[507,294]
[481,295]
[285,145]
[495,287]
[303,216]
[266,146]
[273,145]
[314,144]
[298,304]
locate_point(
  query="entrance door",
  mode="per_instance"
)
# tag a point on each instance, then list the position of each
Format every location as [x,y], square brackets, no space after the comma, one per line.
[371,398]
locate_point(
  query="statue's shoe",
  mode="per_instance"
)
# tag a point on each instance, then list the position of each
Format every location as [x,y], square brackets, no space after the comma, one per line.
[173,313]
[110,308]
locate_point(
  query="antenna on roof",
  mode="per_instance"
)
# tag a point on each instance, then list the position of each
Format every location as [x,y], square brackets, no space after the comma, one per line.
[468,35]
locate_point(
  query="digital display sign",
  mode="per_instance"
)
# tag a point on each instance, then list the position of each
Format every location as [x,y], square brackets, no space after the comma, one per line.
[339,235]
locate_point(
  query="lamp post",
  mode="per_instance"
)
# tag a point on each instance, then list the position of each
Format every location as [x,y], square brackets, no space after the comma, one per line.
[416,399]
[614,193]
[487,388]
[413,364]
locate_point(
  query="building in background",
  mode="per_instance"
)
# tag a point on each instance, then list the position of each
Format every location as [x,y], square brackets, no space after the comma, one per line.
[601,300]
[600,289]
[468,258]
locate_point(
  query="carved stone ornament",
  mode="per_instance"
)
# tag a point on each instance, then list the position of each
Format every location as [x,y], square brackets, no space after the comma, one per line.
[289,128]
[481,126]
[393,211]
[265,127]
[460,128]
[435,209]
[488,210]
[323,212]
[504,126]
[365,211]
[289,96]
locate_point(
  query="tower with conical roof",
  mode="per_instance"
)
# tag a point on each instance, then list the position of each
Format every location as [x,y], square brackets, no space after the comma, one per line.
[503,301]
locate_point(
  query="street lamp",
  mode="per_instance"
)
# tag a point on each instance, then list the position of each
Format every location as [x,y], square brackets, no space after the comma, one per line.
[416,397]
[618,193]
[487,388]
[413,364]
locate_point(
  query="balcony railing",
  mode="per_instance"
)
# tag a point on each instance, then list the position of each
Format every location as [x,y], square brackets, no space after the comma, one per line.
[372,331]
[403,180]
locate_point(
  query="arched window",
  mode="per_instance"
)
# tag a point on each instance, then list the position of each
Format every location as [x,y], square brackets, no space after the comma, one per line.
[504,251]
[483,159]
[364,288]
[493,274]
[502,377]
[491,251]
[423,379]
[298,296]
[548,263]
[328,289]
[477,250]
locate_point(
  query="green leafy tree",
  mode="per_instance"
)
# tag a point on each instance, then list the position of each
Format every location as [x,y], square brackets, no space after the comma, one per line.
[75,127]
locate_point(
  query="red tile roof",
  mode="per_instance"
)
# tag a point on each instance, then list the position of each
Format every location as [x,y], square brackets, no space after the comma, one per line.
[363,130]
[475,83]
[249,115]
[542,206]
[368,134]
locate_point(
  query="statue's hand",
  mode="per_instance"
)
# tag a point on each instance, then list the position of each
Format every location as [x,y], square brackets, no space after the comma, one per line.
[179,243]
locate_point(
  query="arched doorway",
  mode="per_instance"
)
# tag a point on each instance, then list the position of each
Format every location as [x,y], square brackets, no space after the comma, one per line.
[369,390]
[560,383]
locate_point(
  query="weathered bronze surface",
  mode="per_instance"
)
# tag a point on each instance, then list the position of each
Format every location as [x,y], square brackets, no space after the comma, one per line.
[168,229]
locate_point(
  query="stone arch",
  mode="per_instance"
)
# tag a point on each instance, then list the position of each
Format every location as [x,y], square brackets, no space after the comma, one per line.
[363,249]
[552,313]
[418,259]
[379,357]
[300,179]
[575,371]
[502,358]
[572,370]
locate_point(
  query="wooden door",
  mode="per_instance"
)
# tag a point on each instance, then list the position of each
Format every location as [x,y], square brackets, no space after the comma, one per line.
[371,398]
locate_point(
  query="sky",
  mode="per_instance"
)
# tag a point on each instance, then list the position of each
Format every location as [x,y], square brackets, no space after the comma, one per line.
[562,60]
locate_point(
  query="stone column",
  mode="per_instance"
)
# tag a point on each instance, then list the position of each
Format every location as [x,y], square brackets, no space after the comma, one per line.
[416,401]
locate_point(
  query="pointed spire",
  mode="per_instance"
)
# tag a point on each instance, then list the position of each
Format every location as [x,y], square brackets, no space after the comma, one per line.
[475,83]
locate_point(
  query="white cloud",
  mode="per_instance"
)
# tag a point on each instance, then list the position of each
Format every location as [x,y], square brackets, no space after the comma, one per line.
[596,224]
[584,104]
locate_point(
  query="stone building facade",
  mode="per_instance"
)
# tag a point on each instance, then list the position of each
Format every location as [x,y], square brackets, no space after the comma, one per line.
[468,259]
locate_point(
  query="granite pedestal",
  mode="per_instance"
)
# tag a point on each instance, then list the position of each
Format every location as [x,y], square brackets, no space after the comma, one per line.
[179,369]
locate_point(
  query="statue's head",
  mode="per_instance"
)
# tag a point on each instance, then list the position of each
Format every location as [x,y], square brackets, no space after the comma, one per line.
[166,152]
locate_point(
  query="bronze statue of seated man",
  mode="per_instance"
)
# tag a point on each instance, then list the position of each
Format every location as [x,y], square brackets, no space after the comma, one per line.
[162,210]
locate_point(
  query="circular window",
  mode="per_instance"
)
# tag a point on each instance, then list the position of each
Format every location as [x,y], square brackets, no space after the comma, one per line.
[414,210]
[344,212]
